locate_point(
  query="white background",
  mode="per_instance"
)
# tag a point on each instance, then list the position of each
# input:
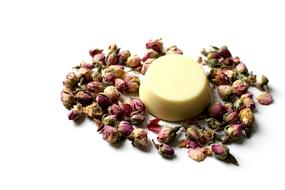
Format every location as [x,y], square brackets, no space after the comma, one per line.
[41,40]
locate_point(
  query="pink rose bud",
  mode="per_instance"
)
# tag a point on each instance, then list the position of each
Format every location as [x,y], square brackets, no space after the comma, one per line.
[167,134]
[264,98]
[112,93]
[224,52]
[123,56]
[155,45]
[225,91]
[137,118]
[196,154]
[67,99]
[240,87]
[115,110]
[120,85]
[96,76]
[233,131]
[110,134]
[125,128]
[139,138]
[164,150]
[216,110]
[103,100]
[133,61]
[150,54]
[76,113]
[126,109]
[84,98]
[220,151]
[109,120]
[137,105]
[241,68]
[193,133]
[94,52]
[109,77]
[248,103]
[99,59]
[112,59]
[94,86]
[231,117]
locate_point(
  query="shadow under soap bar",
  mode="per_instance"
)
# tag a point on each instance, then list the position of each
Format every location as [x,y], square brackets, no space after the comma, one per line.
[175,88]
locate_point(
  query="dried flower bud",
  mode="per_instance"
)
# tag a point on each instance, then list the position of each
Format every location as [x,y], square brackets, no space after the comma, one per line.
[233,131]
[112,93]
[216,110]
[94,86]
[248,103]
[150,54]
[96,76]
[229,107]
[126,109]
[76,112]
[94,52]
[246,117]
[134,61]
[133,83]
[231,117]
[125,128]
[123,56]
[110,134]
[120,84]
[213,55]
[137,118]
[241,68]
[137,105]
[71,80]
[103,100]
[193,133]
[84,73]
[192,144]
[240,87]
[112,58]
[94,111]
[164,150]
[264,98]
[112,48]
[146,64]
[86,65]
[246,95]
[68,100]
[99,59]
[166,134]
[139,138]
[155,45]
[109,120]
[196,154]
[224,91]
[173,50]
[224,52]
[117,70]
[109,77]
[220,151]
[261,80]
[115,110]
[213,123]
[84,98]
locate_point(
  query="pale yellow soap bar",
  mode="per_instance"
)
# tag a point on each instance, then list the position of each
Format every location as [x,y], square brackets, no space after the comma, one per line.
[175,88]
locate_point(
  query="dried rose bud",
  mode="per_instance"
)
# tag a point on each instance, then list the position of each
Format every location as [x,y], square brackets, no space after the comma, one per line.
[164,150]
[248,103]
[220,151]
[109,120]
[125,128]
[123,56]
[231,117]
[225,91]
[94,111]
[146,64]
[218,76]
[230,74]
[133,61]
[112,93]
[240,87]
[76,112]
[150,54]
[224,52]
[112,58]
[71,80]
[115,110]
[196,154]
[246,95]
[84,73]
[84,98]
[112,48]
[241,68]
[264,98]
[99,59]
[133,83]
[109,77]
[173,50]
[233,131]
[166,134]
[68,100]
[103,100]
[137,105]
[246,117]
[96,76]
[229,107]
[86,65]
[192,144]
[110,134]
[155,45]
[193,133]
[262,82]
[216,110]
[126,109]
[120,84]
[117,70]
[137,118]
[94,52]
[94,86]
[213,55]
[139,138]
[213,123]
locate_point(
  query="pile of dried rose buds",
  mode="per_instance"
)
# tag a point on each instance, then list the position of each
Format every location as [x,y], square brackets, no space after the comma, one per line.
[94,90]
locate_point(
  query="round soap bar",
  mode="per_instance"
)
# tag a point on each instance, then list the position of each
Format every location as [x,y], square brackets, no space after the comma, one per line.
[175,88]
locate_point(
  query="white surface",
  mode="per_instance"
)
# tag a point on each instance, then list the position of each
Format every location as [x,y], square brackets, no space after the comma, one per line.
[41,40]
